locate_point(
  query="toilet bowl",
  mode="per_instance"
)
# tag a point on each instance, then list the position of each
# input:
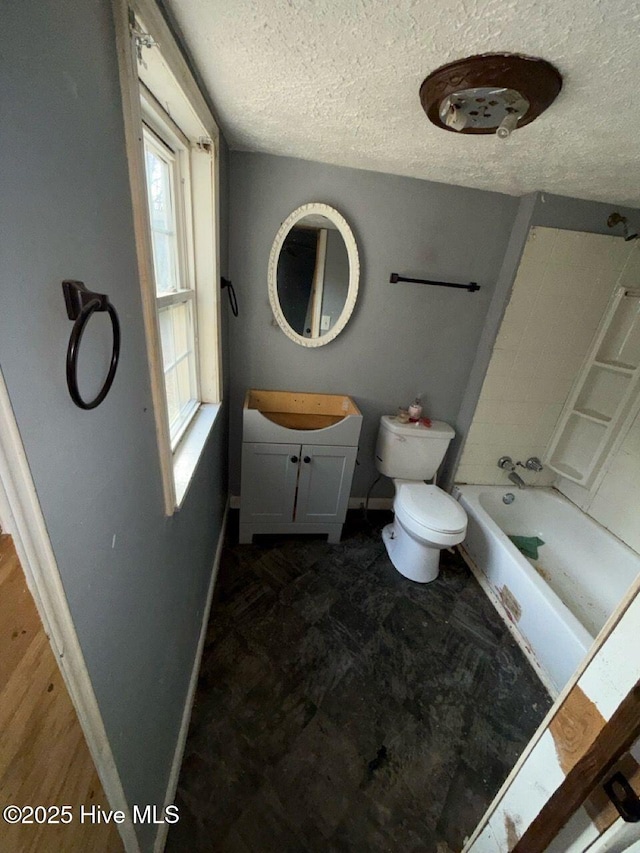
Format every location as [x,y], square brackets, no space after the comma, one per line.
[426,521]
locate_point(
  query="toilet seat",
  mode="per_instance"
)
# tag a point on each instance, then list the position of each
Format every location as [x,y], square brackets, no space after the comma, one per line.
[426,509]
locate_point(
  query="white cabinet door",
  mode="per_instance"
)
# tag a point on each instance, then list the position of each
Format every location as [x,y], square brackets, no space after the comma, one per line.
[325,483]
[269,478]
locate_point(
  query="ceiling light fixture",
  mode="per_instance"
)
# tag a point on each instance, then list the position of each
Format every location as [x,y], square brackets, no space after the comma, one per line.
[489,93]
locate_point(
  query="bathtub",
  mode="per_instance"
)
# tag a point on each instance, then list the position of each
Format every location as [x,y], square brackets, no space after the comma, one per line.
[555,605]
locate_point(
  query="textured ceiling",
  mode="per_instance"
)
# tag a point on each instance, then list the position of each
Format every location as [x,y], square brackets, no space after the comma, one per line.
[337,81]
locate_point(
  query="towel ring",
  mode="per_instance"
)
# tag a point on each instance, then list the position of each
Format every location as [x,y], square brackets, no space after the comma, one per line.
[233,299]
[81,304]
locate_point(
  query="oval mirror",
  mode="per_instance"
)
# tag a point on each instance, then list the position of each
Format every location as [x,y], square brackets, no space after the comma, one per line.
[313,275]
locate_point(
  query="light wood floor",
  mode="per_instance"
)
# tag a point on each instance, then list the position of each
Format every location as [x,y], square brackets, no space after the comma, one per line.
[44,759]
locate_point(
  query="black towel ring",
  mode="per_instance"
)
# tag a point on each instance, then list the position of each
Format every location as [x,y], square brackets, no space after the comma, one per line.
[81,304]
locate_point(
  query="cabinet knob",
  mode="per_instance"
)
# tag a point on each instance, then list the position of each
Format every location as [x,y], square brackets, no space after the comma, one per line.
[294,459]
[307,459]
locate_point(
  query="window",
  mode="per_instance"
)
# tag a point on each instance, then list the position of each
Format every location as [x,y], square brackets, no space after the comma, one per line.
[167,180]
[172,143]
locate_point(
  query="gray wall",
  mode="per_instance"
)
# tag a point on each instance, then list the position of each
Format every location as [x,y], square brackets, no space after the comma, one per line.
[66,213]
[404,339]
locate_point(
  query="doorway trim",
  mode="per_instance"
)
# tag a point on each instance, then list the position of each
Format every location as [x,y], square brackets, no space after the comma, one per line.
[21,516]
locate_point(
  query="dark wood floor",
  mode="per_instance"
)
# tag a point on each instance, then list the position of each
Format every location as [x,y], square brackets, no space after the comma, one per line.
[342,707]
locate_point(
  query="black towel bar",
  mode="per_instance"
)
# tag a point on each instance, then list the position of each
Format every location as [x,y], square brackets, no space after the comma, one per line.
[471,287]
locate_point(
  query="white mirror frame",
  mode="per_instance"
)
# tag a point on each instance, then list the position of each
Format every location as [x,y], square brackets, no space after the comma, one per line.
[354,272]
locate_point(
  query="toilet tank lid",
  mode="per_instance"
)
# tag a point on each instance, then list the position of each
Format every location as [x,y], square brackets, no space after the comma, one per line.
[430,506]
[438,429]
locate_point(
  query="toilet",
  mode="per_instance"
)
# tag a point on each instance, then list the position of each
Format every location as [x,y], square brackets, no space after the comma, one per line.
[426,519]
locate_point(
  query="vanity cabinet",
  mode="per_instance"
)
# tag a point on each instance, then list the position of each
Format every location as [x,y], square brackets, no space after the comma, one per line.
[301,485]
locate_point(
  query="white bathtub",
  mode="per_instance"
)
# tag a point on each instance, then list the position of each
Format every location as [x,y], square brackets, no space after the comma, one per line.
[558,603]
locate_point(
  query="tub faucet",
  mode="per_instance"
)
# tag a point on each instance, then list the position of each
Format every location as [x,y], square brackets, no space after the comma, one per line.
[532,464]
[517,479]
[507,464]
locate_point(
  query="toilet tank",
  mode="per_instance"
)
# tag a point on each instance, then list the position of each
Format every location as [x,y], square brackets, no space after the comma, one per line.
[411,451]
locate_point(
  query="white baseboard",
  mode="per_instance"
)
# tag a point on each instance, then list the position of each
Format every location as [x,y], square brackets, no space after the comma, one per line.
[163,829]
[354,503]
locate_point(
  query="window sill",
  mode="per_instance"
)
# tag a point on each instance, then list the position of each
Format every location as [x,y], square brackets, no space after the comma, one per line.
[187,454]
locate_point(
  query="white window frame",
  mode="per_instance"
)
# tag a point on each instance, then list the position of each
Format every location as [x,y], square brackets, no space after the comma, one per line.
[159,91]
[159,137]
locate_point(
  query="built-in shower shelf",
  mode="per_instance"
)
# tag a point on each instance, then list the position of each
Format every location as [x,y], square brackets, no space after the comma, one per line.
[569,472]
[616,366]
[590,415]
[603,396]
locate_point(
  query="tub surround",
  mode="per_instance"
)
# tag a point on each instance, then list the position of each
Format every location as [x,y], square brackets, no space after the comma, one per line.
[495,313]
[558,603]
[542,209]
[564,282]
[562,288]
